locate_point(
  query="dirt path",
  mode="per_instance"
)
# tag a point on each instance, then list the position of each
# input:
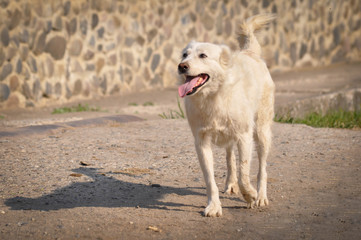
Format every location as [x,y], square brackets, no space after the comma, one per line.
[141,180]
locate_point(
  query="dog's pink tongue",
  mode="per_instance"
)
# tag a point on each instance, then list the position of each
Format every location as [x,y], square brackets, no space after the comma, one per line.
[187,87]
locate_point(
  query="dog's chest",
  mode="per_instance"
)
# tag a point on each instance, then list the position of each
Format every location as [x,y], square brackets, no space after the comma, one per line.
[212,120]
[221,130]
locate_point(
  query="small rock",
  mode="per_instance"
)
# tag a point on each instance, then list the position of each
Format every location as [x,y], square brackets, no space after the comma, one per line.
[84,163]
[22,223]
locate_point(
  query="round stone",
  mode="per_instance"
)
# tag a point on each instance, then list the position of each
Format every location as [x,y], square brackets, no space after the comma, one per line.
[58,24]
[40,44]
[49,67]
[36,89]
[67,8]
[155,62]
[168,50]
[13,101]
[32,64]
[27,91]
[77,87]
[6,70]
[56,47]
[48,90]
[4,92]
[71,26]
[75,47]
[19,66]
[58,89]
[2,56]
[83,26]
[15,19]
[14,83]
[95,20]
[4,36]
[88,55]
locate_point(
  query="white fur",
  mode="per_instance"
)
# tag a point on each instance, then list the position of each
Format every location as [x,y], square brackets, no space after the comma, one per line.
[232,109]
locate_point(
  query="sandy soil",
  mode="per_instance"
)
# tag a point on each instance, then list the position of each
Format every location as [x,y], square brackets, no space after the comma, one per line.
[141,180]
[93,175]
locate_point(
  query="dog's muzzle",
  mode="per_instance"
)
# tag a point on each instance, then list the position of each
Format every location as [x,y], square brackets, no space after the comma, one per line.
[183,67]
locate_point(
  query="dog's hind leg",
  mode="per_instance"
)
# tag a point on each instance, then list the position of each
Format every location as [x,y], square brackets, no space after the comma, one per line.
[263,139]
[205,157]
[245,145]
[231,182]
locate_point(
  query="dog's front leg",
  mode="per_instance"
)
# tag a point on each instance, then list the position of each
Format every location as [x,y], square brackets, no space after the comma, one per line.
[205,157]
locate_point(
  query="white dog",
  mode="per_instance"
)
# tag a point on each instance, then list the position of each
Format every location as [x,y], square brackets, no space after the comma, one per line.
[229,100]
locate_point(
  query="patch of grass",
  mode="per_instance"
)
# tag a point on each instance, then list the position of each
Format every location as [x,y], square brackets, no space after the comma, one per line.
[333,119]
[78,108]
[174,114]
[146,104]
[2,117]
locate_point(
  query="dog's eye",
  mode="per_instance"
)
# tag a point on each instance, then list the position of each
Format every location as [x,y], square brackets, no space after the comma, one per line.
[202,55]
[184,55]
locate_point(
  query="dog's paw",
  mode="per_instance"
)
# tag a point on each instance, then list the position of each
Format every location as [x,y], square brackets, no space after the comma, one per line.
[250,198]
[262,201]
[213,210]
[232,188]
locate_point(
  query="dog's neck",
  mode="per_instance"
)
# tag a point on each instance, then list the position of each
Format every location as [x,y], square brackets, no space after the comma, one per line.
[208,104]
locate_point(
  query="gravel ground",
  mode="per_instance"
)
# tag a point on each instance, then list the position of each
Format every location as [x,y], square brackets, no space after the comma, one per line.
[141,180]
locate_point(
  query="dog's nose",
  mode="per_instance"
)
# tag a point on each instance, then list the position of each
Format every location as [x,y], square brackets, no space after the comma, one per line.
[183,67]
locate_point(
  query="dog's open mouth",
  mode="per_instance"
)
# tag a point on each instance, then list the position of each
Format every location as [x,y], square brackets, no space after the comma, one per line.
[192,84]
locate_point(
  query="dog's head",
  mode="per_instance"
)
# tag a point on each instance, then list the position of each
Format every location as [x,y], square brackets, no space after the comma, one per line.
[203,68]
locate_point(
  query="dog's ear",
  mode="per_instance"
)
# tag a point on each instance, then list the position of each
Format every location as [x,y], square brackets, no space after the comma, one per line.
[225,57]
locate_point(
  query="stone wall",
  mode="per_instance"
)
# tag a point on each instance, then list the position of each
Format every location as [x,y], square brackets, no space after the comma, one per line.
[61,50]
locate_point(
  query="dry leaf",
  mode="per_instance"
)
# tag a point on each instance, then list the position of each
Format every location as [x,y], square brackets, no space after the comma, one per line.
[154,228]
[76,175]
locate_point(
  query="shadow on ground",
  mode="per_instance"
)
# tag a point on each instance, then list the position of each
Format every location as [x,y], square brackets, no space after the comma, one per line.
[103,191]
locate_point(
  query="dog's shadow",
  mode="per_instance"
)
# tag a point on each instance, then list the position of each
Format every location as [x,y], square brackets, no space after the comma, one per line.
[103,191]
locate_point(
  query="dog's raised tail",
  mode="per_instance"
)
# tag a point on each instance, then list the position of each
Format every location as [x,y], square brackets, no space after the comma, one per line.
[246,39]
